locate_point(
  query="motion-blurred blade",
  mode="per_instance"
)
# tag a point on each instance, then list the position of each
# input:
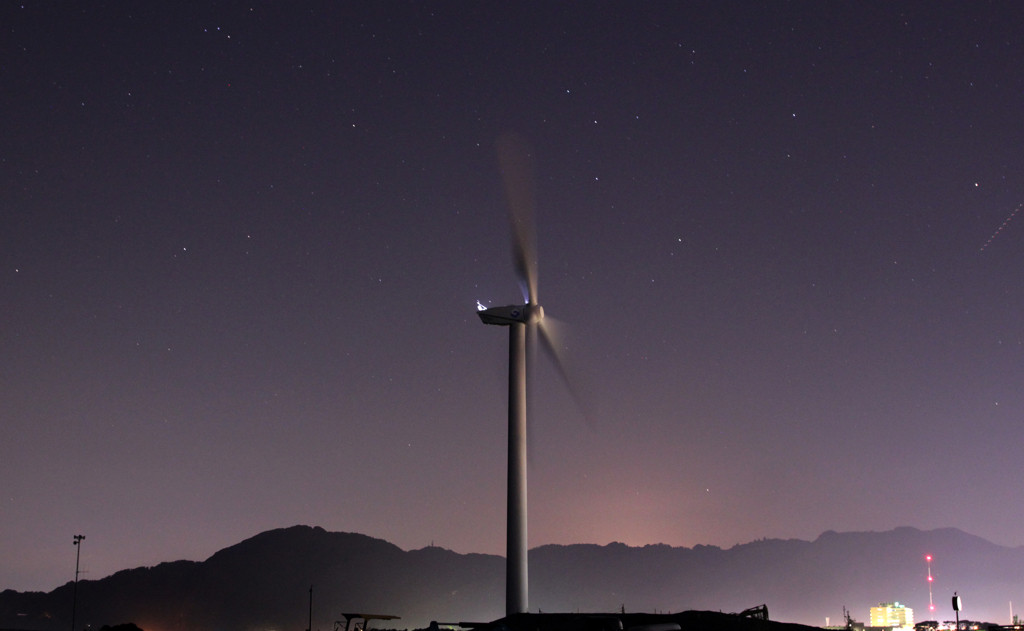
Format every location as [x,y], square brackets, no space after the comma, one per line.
[551,336]
[531,366]
[517,174]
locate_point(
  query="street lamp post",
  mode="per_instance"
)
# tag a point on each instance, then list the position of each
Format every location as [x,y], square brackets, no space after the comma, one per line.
[74,598]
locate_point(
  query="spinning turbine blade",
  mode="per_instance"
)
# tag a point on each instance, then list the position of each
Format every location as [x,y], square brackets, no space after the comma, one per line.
[517,174]
[551,334]
[531,366]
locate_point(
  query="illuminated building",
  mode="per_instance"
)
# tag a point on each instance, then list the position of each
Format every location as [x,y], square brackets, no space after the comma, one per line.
[892,615]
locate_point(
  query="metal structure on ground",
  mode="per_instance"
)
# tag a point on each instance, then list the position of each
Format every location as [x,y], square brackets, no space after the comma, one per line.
[74,598]
[352,621]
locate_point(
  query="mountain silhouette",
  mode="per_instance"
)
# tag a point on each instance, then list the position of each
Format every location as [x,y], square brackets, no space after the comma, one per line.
[263,582]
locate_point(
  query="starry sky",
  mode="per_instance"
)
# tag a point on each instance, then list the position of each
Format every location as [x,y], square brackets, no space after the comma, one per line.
[242,245]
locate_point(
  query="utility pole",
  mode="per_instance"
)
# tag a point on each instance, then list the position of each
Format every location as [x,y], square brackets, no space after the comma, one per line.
[310,609]
[74,598]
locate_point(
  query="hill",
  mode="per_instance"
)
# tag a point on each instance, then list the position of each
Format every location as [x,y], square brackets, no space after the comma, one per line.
[263,582]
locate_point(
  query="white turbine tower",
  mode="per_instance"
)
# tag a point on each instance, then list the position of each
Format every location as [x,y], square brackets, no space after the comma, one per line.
[524,322]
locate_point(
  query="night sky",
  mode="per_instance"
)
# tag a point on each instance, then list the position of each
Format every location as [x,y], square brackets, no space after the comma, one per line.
[241,249]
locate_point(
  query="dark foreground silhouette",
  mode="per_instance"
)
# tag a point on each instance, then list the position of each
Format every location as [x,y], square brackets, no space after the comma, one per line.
[128,626]
[683,621]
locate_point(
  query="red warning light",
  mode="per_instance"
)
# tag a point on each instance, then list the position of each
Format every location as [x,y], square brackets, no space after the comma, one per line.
[932,607]
[929,579]
[928,558]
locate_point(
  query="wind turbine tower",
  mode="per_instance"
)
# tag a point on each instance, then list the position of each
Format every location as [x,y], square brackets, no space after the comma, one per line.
[526,322]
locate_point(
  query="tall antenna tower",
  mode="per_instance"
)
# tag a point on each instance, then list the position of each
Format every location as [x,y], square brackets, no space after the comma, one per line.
[931,604]
[78,555]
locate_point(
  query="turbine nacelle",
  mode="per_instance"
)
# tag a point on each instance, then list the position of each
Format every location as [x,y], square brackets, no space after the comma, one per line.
[512,314]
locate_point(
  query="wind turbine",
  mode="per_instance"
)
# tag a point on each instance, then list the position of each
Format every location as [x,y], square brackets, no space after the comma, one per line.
[524,323]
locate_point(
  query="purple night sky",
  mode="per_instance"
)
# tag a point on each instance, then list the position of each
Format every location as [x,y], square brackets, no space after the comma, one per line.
[241,249]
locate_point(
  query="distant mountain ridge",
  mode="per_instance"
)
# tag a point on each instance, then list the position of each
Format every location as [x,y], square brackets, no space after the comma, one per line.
[263,582]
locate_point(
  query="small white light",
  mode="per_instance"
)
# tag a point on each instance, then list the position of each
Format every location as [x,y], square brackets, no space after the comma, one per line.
[480,306]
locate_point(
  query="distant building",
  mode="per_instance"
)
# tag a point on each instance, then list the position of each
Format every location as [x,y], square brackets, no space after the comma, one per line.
[892,615]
